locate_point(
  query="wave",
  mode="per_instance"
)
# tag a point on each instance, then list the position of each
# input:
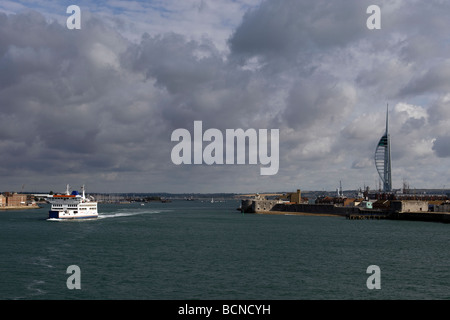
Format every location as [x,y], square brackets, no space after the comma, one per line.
[36,291]
[42,262]
[114,214]
[126,213]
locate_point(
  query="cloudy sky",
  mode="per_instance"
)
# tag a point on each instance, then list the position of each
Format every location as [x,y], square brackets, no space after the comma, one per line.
[97,106]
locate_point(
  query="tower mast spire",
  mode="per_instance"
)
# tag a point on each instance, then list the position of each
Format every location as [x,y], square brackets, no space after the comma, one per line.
[387,165]
[387,119]
[383,157]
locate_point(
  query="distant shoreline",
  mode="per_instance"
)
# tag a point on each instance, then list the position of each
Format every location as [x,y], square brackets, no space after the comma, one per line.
[19,207]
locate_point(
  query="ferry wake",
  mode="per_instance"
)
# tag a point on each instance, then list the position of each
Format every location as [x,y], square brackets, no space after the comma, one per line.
[71,206]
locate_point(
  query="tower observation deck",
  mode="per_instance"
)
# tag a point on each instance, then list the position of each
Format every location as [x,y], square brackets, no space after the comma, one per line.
[383,157]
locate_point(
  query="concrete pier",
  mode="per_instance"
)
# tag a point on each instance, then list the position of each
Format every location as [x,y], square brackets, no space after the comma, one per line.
[443,217]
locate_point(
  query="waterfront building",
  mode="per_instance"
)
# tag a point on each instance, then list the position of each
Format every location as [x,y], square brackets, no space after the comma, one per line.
[16,200]
[383,158]
[12,199]
[296,197]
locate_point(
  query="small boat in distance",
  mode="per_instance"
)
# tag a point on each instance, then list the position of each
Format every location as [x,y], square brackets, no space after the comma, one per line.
[72,206]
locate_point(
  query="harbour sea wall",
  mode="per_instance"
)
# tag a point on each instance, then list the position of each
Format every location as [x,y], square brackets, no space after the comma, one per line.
[398,210]
[274,206]
[20,207]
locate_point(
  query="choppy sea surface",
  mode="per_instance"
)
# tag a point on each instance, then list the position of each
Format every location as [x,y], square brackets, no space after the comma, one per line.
[206,251]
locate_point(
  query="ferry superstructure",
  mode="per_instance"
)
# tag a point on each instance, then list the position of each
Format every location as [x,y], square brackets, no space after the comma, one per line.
[72,206]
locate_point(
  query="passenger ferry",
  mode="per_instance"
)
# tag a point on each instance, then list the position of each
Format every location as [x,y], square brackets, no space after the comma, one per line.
[72,206]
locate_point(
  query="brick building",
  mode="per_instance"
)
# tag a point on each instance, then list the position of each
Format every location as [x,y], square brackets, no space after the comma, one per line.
[13,199]
[16,200]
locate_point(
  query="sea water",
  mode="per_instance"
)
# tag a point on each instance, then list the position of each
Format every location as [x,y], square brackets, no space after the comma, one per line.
[202,250]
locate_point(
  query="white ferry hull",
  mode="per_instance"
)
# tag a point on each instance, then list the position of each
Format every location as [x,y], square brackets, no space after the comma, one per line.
[70,216]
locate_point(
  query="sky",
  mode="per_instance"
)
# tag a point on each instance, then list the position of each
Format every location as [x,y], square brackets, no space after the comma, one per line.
[98,105]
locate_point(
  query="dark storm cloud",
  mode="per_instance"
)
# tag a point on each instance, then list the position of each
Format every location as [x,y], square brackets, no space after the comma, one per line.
[435,79]
[95,103]
[439,115]
[439,111]
[442,146]
[54,86]
[199,83]
[283,28]
[308,107]
[170,60]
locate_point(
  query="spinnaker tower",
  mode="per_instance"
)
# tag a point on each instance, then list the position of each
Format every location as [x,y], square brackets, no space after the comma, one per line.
[383,157]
